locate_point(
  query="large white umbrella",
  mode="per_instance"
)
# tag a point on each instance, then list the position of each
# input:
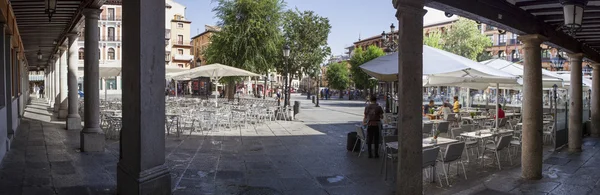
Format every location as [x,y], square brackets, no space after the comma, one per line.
[215,72]
[442,68]
[549,78]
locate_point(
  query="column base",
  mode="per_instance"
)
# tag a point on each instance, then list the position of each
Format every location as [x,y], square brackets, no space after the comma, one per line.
[92,141]
[575,150]
[156,180]
[62,113]
[73,123]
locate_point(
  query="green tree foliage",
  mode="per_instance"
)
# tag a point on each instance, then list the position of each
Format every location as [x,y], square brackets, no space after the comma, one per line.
[306,34]
[465,39]
[337,76]
[359,77]
[433,39]
[483,56]
[250,36]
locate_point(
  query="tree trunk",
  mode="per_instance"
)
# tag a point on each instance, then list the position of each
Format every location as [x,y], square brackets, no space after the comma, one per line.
[230,92]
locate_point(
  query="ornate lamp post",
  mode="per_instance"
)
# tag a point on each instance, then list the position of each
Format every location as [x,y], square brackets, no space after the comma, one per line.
[286,55]
[389,41]
[318,87]
[558,62]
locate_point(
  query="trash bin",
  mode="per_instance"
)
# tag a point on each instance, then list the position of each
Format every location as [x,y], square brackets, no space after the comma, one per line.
[296,107]
[352,139]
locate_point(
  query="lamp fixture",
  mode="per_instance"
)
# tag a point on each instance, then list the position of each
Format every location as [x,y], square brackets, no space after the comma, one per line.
[286,51]
[50,8]
[448,14]
[573,15]
[39,55]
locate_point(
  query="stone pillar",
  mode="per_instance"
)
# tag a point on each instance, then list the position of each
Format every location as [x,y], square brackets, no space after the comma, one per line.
[576,103]
[56,83]
[8,83]
[51,96]
[3,90]
[73,118]
[141,168]
[596,100]
[92,137]
[64,104]
[46,81]
[410,70]
[531,156]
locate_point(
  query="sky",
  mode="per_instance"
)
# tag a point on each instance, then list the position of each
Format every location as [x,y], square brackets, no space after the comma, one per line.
[349,19]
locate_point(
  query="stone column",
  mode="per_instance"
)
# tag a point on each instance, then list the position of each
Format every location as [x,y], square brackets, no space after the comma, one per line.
[46,80]
[4,88]
[92,137]
[64,104]
[8,83]
[57,83]
[410,70]
[51,96]
[596,100]
[576,103]
[531,156]
[141,168]
[73,118]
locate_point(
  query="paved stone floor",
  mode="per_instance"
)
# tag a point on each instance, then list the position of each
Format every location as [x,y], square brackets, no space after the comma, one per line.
[307,156]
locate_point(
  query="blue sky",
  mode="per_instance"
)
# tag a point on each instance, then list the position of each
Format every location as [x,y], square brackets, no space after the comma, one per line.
[348,18]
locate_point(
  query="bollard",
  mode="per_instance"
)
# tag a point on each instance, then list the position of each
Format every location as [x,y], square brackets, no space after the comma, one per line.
[296,107]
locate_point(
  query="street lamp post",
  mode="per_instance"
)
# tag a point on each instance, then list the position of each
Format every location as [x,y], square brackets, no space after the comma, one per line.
[286,54]
[318,87]
[558,62]
[389,41]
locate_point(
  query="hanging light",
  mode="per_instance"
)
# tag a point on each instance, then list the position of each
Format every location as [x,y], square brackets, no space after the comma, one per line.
[573,14]
[39,55]
[50,8]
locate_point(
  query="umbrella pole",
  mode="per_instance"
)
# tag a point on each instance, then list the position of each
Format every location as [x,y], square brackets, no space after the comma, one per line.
[497,103]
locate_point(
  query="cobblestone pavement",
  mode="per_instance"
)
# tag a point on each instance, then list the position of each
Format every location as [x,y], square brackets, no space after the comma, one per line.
[307,156]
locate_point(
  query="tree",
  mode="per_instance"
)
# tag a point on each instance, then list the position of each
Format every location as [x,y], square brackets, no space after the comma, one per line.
[250,36]
[306,34]
[484,56]
[337,76]
[465,39]
[433,39]
[359,77]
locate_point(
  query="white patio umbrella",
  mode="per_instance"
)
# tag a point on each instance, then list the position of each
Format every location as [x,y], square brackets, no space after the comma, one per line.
[442,68]
[113,69]
[215,72]
[549,78]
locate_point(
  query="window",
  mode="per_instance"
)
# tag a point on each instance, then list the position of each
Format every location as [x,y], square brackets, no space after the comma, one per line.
[514,36]
[179,25]
[502,54]
[111,13]
[502,38]
[179,39]
[111,34]
[180,51]
[167,56]
[545,54]
[180,65]
[81,53]
[111,54]
[178,17]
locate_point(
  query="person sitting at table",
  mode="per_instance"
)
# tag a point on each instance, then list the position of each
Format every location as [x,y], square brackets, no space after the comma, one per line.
[426,107]
[372,118]
[500,112]
[456,106]
[444,110]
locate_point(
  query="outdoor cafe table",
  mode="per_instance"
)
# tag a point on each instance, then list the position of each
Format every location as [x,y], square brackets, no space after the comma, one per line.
[427,142]
[485,133]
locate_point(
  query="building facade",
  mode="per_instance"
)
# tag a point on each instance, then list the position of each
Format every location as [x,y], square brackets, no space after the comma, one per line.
[200,42]
[178,45]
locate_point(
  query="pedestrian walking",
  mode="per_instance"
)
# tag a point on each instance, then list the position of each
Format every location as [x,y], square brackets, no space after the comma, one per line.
[41,91]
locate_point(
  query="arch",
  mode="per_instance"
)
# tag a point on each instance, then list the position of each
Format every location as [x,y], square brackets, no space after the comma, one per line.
[111,54]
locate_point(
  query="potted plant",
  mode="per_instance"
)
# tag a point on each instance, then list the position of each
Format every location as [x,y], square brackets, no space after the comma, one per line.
[472,115]
[435,136]
[431,110]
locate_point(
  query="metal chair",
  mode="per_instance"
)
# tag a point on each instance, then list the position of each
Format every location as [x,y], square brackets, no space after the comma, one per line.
[443,127]
[427,129]
[360,135]
[388,153]
[496,147]
[429,162]
[453,154]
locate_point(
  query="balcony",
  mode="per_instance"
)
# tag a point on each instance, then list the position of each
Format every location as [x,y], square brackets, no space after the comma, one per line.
[111,18]
[167,34]
[186,43]
[110,38]
[183,57]
[500,43]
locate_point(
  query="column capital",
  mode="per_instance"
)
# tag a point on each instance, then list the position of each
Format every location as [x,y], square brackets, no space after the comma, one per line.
[412,7]
[532,39]
[72,35]
[56,56]
[573,56]
[62,48]
[92,13]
